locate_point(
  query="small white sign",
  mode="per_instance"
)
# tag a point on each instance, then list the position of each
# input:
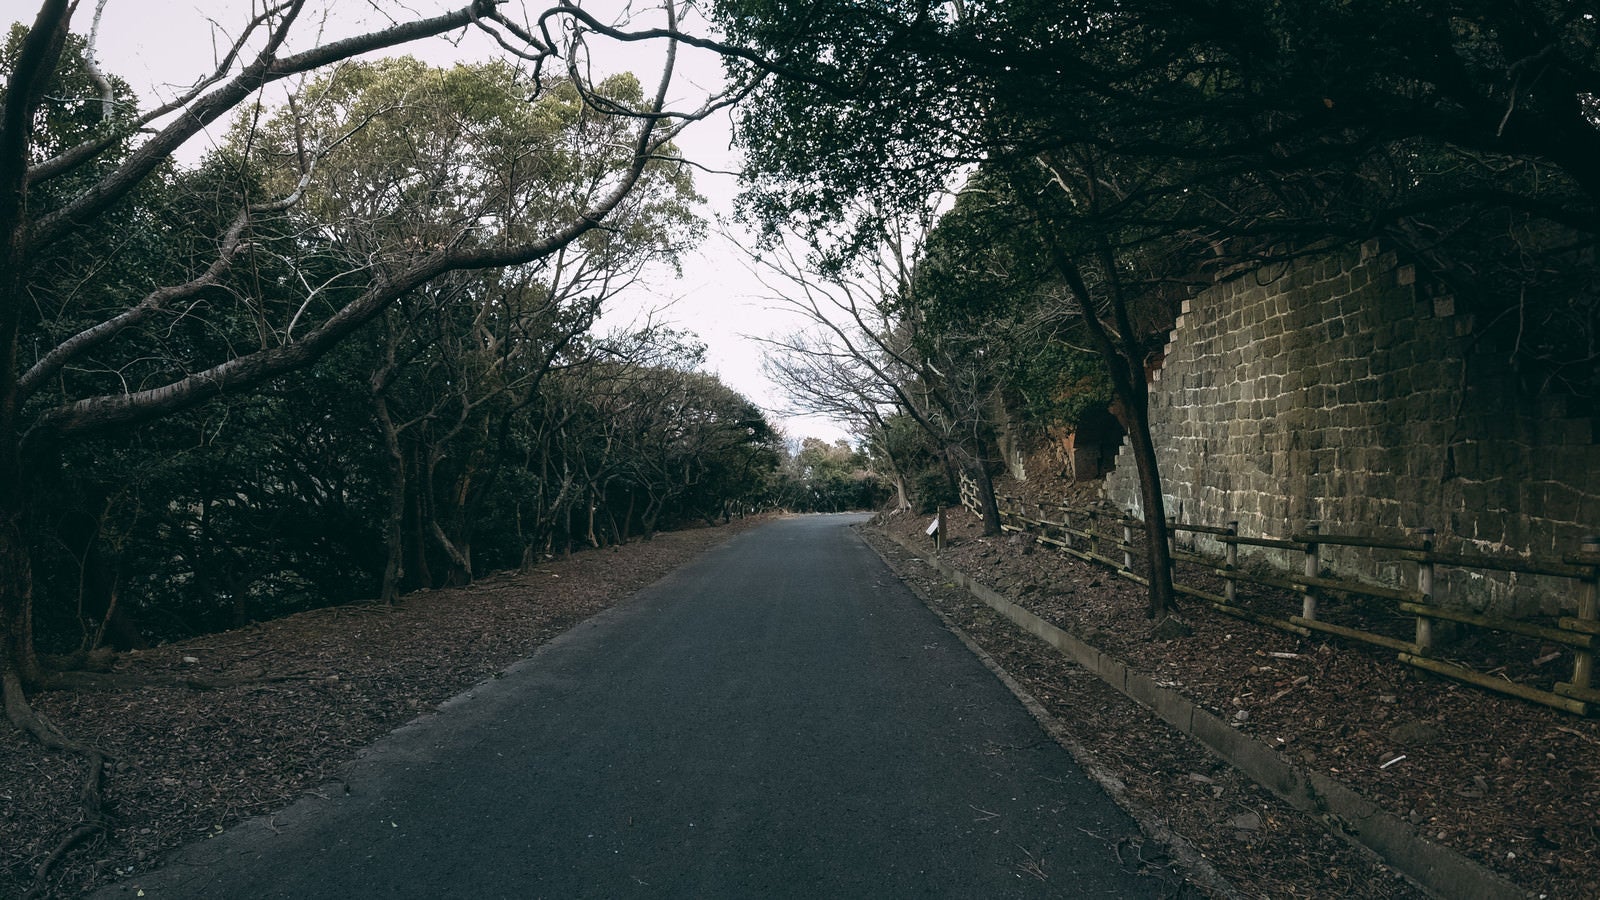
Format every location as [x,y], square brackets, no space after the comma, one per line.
[933,527]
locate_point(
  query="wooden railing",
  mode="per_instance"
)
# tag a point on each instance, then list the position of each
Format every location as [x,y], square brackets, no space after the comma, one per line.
[1110,539]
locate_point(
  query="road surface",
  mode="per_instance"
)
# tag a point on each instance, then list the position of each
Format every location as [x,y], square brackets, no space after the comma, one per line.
[779,718]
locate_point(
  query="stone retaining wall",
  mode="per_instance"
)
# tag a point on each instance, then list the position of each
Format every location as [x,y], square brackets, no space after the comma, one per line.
[1333,390]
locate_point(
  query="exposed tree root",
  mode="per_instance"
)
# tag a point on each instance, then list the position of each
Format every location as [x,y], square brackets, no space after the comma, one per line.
[91,801]
[91,827]
[20,713]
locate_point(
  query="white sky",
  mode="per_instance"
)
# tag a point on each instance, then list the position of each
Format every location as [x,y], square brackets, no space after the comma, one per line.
[159,46]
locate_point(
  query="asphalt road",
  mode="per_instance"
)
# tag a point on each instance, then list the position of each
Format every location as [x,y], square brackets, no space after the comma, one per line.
[779,718]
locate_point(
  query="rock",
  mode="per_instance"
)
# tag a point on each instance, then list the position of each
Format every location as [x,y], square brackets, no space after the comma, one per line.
[1246,821]
[1414,734]
[1170,629]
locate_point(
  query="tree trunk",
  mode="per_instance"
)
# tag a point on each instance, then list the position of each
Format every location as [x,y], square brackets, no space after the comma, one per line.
[988,507]
[460,556]
[394,552]
[1157,534]
[566,527]
[594,539]
[647,519]
[238,582]
[1125,365]
[420,570]
[457,540]
[19,664]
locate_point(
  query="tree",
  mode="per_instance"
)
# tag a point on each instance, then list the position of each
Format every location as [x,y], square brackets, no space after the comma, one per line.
[60,181]
[818,167]
[688,444]
[1164,143]
[871,342]
[824,477]
[412,149]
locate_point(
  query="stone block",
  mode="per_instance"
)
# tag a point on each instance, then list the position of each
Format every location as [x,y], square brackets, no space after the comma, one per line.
[1389,313]
[1561,503]
[1515,530]
[1578,432]
[1367,390]
[1588,514]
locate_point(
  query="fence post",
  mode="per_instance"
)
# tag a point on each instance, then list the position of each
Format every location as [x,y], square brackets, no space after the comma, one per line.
[1588,601]
[1233,564]
[1066,525]
[1308,600]
[1425,588]
[1127,545]
[1172,549]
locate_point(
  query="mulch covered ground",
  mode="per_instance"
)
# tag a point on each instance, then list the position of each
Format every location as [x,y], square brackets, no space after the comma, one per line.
[1509,784]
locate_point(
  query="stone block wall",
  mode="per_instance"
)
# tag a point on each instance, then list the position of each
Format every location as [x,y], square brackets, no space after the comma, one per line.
[1333,390]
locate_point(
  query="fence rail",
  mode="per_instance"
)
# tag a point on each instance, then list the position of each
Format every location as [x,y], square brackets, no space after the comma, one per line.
[1101,537]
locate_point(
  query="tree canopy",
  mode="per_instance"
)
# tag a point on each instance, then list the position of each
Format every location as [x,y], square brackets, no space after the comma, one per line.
[1144,149]
[349,351]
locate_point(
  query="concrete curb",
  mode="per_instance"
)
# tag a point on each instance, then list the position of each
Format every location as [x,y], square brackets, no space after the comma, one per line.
[1438,870]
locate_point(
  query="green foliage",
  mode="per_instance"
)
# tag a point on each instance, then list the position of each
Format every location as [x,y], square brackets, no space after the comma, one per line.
[75,108]
[985,272]
[244,510]
[823,477]
[907,450]
[931,492]
[1161,143]
[516,421]
[1057,386]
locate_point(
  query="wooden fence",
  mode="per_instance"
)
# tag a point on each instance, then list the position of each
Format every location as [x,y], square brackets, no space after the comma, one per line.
[1401,617]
